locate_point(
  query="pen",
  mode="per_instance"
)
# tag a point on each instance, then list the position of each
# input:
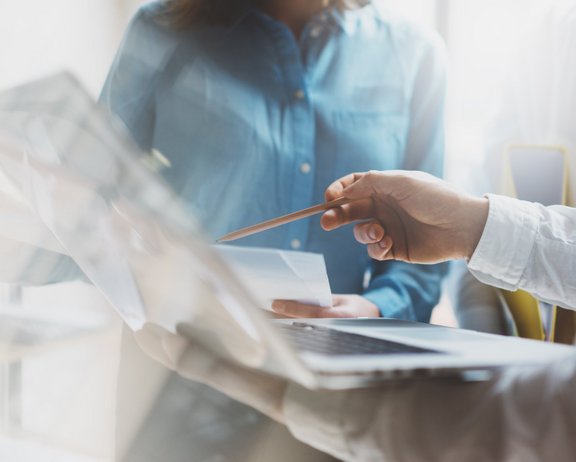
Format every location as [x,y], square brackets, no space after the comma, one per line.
[279,221]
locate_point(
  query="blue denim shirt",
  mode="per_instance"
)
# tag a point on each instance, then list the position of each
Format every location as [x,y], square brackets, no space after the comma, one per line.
[255,124]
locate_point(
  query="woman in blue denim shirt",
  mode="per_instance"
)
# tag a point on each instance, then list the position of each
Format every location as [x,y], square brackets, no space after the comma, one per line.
[254,107]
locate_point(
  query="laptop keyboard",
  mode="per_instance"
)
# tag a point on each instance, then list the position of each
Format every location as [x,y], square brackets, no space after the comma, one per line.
[322,340]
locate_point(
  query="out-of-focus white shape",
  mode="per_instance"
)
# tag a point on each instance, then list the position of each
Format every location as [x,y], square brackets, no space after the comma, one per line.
[57,35]
[280,274]
[70,207]
[523,52]
[26,330]
[480,38]
[538,103]
[58,376]
[420,11]
[26,451]
[125,228]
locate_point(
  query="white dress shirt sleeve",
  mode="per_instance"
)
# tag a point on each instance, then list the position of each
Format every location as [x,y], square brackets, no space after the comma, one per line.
[528,246]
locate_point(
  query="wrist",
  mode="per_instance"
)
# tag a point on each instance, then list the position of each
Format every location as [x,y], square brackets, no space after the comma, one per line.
[476,215]
[369,308]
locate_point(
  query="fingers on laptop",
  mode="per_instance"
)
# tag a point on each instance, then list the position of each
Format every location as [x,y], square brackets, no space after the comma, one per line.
[293,309]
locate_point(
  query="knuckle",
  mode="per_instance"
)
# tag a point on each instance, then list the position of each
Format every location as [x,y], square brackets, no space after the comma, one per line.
[375,252]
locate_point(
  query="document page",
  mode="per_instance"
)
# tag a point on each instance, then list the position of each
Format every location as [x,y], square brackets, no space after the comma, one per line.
[272,274]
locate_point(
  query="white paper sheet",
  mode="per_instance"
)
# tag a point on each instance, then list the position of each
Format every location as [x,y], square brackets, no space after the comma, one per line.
[272,274]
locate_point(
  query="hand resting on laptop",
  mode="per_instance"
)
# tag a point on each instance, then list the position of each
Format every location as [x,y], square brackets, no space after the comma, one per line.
[343,306]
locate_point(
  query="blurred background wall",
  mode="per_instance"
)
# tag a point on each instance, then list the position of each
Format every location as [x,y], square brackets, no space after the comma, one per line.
[37,38]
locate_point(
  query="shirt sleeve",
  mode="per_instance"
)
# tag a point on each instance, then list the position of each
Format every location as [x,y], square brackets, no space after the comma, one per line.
[521,414]
[528,246]
[400,289]
[406,291]
[129,89]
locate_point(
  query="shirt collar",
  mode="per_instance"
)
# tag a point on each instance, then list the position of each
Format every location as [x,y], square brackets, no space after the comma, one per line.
[349,17]
[346,17]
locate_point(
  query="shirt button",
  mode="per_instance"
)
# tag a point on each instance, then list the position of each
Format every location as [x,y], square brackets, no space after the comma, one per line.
[295,244]
[315,31]
[299,94]
[305,168]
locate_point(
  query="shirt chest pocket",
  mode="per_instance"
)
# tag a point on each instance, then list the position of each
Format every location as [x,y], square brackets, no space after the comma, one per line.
[369,128]
[206,128]
[201,118]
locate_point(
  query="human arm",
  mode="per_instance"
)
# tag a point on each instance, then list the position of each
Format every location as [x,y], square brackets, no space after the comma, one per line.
[408,216]
[531,247]
[422,219]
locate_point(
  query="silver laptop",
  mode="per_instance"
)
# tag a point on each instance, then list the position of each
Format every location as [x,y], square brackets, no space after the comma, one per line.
[107,206]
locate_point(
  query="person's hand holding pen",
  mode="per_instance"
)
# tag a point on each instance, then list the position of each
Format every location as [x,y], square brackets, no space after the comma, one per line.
[343,305]
[409,216]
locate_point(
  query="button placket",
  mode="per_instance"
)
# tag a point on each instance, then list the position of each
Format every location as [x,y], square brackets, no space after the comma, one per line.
[299,133]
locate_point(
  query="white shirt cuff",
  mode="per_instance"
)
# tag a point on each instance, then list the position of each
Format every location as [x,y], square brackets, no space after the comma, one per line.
[507,240]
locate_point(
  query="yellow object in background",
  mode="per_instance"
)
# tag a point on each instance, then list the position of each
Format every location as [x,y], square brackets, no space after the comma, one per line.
[537,174]
[525,311]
